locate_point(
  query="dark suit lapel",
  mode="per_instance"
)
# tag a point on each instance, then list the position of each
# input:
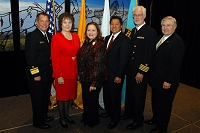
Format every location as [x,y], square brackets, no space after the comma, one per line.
[115,41]
[141,30]
[106,39]
[168,40]
[42,38]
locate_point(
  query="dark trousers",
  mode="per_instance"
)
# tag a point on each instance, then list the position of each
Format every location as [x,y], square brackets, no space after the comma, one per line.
[90,104]
[162,100]
[112,99]
[40,98]
[135,97]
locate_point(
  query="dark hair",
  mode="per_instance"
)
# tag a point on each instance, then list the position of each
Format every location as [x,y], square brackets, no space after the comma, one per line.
[42,13]
[99,34]
[116,17]
[65,15]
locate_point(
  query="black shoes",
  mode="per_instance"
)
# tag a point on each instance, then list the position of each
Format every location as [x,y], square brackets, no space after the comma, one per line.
[112,125]
[156,131]
[63,125]
[70,120]
[49,119]
[90,124]
[124,117]
[104,115]
[134,125]
[150,121]
[42,126]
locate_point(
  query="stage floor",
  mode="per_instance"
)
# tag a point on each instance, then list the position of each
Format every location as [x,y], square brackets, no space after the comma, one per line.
[15,116]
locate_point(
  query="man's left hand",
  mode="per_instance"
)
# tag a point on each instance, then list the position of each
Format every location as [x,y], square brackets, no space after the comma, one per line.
[166,85]
[117,80]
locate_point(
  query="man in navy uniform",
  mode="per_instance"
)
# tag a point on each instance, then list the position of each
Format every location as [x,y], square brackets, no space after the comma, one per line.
[143,40]
[39,72]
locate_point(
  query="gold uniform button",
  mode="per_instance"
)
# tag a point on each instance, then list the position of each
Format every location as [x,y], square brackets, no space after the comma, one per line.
[133,52]
[132,58]
[134,46]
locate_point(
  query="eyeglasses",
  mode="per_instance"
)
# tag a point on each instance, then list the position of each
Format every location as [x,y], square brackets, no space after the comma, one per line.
[168,25]
[137,15]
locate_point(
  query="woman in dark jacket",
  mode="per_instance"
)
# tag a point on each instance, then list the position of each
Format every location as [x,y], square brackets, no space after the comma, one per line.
[92,72]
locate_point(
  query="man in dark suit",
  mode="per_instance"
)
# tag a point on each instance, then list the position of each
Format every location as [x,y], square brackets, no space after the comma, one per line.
[143,40]
[164,74]
[117,57]
[39,72]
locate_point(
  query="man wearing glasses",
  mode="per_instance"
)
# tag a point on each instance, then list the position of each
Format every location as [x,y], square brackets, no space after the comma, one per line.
[143,40]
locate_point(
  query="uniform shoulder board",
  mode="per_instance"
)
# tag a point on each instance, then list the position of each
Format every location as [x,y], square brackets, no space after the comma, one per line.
[128,32]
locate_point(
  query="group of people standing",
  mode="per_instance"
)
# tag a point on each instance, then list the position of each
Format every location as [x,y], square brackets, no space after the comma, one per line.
[141,56]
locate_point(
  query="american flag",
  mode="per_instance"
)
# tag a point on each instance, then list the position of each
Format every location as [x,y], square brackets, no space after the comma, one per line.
[49,11]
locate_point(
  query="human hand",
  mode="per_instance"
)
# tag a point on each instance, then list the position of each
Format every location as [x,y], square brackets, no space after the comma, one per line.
[60,80]
[139,78]
[166,85]
[92,88]
[38,78]
[117,80]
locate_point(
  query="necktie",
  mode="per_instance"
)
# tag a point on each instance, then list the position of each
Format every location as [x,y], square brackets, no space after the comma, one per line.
[135,30]
[111,40]
[160,42]
[46,37]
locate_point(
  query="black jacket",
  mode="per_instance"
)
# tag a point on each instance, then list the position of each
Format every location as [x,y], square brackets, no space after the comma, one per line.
[117,55]
[38,55]
[143,44]
[167,62]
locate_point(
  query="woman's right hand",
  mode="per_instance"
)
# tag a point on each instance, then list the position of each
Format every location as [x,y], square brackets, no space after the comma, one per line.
[60,80]
[92,88]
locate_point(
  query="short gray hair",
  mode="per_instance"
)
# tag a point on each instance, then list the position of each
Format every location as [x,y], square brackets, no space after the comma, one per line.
[169,18]
[143,9]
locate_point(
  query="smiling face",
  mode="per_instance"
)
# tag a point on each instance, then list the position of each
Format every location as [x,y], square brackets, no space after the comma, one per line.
[66,25]
[91,32]
[138,17]
[168,27]
[115,26]
[42,23]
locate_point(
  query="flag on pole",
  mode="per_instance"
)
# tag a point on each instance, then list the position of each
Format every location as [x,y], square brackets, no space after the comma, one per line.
[81,30]
[50,12]
[129,26]
[82,22]
[105,27]
[130,23]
